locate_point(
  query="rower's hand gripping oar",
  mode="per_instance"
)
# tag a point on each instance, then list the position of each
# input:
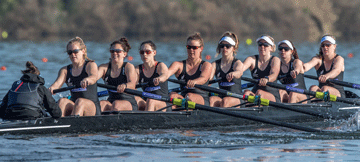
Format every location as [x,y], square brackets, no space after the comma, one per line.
[338,82]
[193,105]
[262,101]
[320,95]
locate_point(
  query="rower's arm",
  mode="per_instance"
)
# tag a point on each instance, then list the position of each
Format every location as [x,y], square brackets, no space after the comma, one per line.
[92,71]
[238,72]
[137,74]
[213,70]
[101,71]
[130,75]
[315,61]
[249,63]
[275,69]
[205,73]
[175,68]
[338,67]
[298,66]
[162,70]
[60,80]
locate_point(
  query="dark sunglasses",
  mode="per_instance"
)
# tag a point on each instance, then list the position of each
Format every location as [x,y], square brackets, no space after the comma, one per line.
[225,45]
[263,44]
[146,51]
[116,50]
[325,44]
[193,47]
[69,52]
[284,48]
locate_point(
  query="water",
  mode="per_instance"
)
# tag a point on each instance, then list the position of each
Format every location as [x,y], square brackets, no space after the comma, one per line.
[227,144]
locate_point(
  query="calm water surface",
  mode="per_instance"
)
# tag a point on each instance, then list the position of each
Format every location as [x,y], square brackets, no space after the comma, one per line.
[225,144]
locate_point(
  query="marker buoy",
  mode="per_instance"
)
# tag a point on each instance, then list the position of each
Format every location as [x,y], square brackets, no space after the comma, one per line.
[207,57]
[350,55]
[44,59]
[3,68]
[248,41]
[4,34]
[130,58]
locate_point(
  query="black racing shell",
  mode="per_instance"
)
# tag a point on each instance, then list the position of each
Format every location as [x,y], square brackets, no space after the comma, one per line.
[322,71]
[24,95]
[219,73]
[161,89]
[121,79]
[185,77]
[256,73]
[286,78]
[90,92]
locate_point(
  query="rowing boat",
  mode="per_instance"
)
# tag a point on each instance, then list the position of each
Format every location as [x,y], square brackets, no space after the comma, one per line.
[143,120]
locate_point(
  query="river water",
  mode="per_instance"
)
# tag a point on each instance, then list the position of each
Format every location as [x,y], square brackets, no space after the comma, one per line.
[225,144]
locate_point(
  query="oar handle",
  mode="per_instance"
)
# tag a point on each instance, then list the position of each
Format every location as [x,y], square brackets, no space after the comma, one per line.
[215,81]
[141,85]
[63,89]
[311,76]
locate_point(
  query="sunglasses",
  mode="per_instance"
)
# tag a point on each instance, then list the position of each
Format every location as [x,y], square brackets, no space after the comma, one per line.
[225,45]
[263,44]
[146,51]
[284,48]
[69,52]
[193,47]
[325,44]
[116,50]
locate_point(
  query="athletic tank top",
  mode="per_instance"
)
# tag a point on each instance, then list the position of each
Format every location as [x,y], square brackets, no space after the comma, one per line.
[286,78]
[161,89]
[234,85]
[322,71]
[185,77]
[121,79]
[90,92]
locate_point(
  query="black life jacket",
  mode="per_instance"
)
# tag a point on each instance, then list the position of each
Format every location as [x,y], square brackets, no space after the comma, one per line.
[24,95]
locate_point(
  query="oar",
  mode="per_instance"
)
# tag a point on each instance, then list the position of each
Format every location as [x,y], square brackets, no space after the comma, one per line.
[63,89]
[193,105]
[319,95]
[338,82]
[106,93]
[263,102]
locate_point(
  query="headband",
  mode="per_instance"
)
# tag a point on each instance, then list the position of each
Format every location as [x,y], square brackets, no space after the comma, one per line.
[267,39]
[328,38]
[228,39]
[287,43]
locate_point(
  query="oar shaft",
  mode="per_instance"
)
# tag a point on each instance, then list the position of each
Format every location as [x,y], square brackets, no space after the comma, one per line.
[338,82]
[63,89]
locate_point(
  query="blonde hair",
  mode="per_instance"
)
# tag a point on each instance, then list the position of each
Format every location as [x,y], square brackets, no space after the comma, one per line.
[320,51]
[234,37]
[82,46]
[273,41]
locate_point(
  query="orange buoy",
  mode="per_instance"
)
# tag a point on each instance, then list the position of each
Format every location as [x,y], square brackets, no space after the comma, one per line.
[130,58]
[350,55]
[207,57]
[3,68]
[44,59]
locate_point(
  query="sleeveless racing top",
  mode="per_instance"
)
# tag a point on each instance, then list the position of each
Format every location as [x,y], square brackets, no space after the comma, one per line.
[121,79]
[286,78]
[24,95]
[161,89]
[322,71]
[234,85]
[256,73]
[90,92]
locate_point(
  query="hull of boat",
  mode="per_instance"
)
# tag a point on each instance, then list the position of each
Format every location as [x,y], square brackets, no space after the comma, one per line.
[125,121]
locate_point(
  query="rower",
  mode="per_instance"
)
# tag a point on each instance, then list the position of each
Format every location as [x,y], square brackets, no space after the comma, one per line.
[264,67]
[28,98]
[328,65]
[291,72]
[121,74]
[154,73]
[193,71]
[229,69]
[82,72]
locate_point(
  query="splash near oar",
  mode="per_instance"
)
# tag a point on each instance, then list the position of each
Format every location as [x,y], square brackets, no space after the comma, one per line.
[193,105]
[338,82]
[319,95]
[263,102]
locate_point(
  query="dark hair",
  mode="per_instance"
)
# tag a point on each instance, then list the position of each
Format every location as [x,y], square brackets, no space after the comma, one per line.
[81,44]
[124,44]
[320,51]
[231,35]
[31,68]
[151,43]
[294,53]
[197,37]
